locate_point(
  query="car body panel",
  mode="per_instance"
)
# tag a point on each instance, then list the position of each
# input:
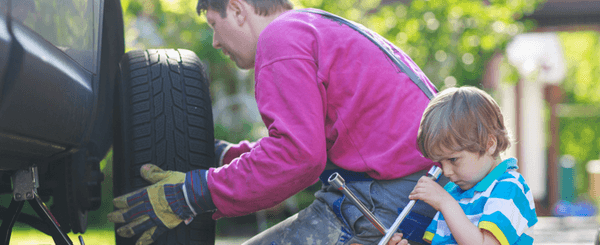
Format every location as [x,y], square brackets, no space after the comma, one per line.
[50,97]
[49,59]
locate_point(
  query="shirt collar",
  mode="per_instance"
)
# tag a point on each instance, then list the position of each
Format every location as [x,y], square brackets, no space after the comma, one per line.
[510,163]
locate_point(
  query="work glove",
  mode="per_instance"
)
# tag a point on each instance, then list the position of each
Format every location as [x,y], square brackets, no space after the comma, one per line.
[163,205]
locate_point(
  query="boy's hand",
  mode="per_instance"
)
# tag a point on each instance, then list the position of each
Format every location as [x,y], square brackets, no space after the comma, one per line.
[395,240]
[430,192]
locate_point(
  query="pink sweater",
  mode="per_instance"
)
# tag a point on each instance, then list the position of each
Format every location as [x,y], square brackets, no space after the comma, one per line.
[323,91]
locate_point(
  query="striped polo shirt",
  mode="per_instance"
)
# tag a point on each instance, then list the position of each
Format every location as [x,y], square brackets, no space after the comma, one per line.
[501,203]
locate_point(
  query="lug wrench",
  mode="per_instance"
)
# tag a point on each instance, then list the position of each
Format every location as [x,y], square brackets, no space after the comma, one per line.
[338,182]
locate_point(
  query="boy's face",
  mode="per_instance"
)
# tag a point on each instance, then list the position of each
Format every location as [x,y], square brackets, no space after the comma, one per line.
[466,168]
[231,37]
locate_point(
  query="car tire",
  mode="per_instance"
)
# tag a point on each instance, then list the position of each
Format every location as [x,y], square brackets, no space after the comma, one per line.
[163,116]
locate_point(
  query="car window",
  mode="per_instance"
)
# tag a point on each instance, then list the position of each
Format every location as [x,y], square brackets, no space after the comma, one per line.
[70,25]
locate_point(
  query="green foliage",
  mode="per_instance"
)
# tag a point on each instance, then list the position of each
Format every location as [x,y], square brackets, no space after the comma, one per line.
[580,136]
[582,53]
[245,131]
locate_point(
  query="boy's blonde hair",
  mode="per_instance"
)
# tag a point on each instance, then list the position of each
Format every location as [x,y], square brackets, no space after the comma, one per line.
[460,119]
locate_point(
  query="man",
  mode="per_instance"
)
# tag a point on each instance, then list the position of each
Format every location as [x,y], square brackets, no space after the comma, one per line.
[332,101]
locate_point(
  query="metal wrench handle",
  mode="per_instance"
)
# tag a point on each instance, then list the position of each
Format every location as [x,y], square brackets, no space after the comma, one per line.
[338,182]
[434,173]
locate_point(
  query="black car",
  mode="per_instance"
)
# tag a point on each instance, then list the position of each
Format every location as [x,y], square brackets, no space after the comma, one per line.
[69,94]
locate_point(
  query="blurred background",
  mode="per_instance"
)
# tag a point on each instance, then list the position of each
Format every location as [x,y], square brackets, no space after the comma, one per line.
[539,59]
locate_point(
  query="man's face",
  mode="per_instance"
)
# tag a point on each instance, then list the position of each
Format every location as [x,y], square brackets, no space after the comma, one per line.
[232,38]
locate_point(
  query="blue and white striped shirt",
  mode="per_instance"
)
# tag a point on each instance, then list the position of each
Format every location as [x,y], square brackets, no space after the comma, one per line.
[501,203]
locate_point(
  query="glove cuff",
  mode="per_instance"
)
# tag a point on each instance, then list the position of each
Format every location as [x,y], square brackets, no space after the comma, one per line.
[196,192]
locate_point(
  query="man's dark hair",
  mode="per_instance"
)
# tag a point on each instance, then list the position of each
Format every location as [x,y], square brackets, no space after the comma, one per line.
[261,7]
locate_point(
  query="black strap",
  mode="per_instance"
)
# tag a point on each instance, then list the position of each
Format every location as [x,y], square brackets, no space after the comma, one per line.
[383,46]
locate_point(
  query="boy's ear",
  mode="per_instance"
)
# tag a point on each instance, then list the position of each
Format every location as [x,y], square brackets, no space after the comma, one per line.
[492,143]
[239,10]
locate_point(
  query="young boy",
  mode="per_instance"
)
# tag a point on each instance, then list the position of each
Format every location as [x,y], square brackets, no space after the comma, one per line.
[487,200]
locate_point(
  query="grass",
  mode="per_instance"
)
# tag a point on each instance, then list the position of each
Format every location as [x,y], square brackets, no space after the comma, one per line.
[28,236]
